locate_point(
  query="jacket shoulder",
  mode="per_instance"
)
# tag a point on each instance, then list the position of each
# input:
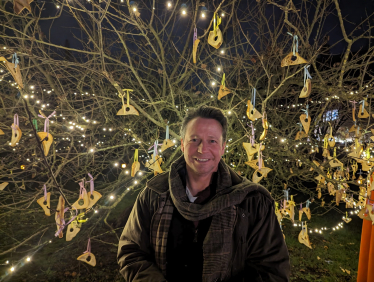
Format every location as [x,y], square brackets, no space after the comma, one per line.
[159,183]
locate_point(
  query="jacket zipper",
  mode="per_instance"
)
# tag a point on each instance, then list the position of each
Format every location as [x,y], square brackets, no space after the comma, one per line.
[195,237]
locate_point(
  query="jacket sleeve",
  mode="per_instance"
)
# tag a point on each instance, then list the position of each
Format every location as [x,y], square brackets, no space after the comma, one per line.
[135,255]
[267,254]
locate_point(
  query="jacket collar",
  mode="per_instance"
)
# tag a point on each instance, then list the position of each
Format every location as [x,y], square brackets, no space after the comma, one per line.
[227,179]
[226,176]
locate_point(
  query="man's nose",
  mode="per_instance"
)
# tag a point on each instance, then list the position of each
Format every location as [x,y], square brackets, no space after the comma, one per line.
[201,147]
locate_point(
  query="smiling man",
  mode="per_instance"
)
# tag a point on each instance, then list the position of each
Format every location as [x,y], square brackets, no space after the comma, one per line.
[201,221]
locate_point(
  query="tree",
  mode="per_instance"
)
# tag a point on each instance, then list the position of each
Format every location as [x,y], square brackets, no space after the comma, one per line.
[147,47]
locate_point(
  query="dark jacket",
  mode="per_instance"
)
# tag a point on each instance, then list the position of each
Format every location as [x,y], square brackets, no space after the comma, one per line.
[257,251]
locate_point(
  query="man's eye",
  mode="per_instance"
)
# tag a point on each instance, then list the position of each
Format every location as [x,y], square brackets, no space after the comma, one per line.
[213,141]
[193,140]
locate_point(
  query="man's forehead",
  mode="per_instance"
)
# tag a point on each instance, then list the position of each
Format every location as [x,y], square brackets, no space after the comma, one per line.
[210,127]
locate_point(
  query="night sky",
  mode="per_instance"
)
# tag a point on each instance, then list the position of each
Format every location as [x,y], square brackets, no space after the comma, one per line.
[353,11]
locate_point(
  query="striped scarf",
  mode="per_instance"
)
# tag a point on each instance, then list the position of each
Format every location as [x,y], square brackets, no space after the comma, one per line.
[218,242]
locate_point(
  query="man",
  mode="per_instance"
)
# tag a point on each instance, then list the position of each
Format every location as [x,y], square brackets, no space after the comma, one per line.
[202,221]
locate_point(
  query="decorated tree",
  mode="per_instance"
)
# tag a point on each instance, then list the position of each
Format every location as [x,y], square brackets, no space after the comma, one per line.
[87,122]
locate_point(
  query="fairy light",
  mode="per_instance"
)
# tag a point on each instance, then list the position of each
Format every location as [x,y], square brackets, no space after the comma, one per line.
[111,197]
[169,4]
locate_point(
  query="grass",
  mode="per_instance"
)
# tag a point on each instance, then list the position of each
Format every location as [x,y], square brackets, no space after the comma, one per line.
[57,261]
[331,251]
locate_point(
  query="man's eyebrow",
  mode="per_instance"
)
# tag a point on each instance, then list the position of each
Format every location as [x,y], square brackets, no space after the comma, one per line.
[210,136]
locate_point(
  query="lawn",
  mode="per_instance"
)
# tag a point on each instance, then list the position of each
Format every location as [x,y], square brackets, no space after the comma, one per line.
[331,252]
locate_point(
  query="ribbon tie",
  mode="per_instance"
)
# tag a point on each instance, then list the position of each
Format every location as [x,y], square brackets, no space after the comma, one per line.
[252,135]
[35,123]
[15,60]
[82,190]
[45,192]
[88,246]
[15,123]
[286,193]
[306,111]
[63,224]
[46,122]
[253,100]
[306,74]
[223,80]
[91,183]
[295,43]
[154,149]
[307,203]
[216,23]
[167,132]
[300,126]
[362,102]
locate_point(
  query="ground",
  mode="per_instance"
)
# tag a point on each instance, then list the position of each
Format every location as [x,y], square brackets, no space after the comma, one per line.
[332,251]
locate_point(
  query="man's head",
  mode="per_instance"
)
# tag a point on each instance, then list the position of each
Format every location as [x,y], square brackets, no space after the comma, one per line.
[203,133]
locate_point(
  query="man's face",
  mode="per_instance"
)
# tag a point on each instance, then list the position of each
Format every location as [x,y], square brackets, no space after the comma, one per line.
[203,146]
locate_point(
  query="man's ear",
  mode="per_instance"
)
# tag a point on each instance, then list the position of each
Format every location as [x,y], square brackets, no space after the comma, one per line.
[182,146]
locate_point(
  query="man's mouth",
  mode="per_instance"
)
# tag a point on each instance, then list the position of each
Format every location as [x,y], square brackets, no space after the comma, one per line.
[201,160]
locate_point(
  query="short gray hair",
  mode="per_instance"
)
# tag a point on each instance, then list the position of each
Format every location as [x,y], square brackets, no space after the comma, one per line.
[205,112]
